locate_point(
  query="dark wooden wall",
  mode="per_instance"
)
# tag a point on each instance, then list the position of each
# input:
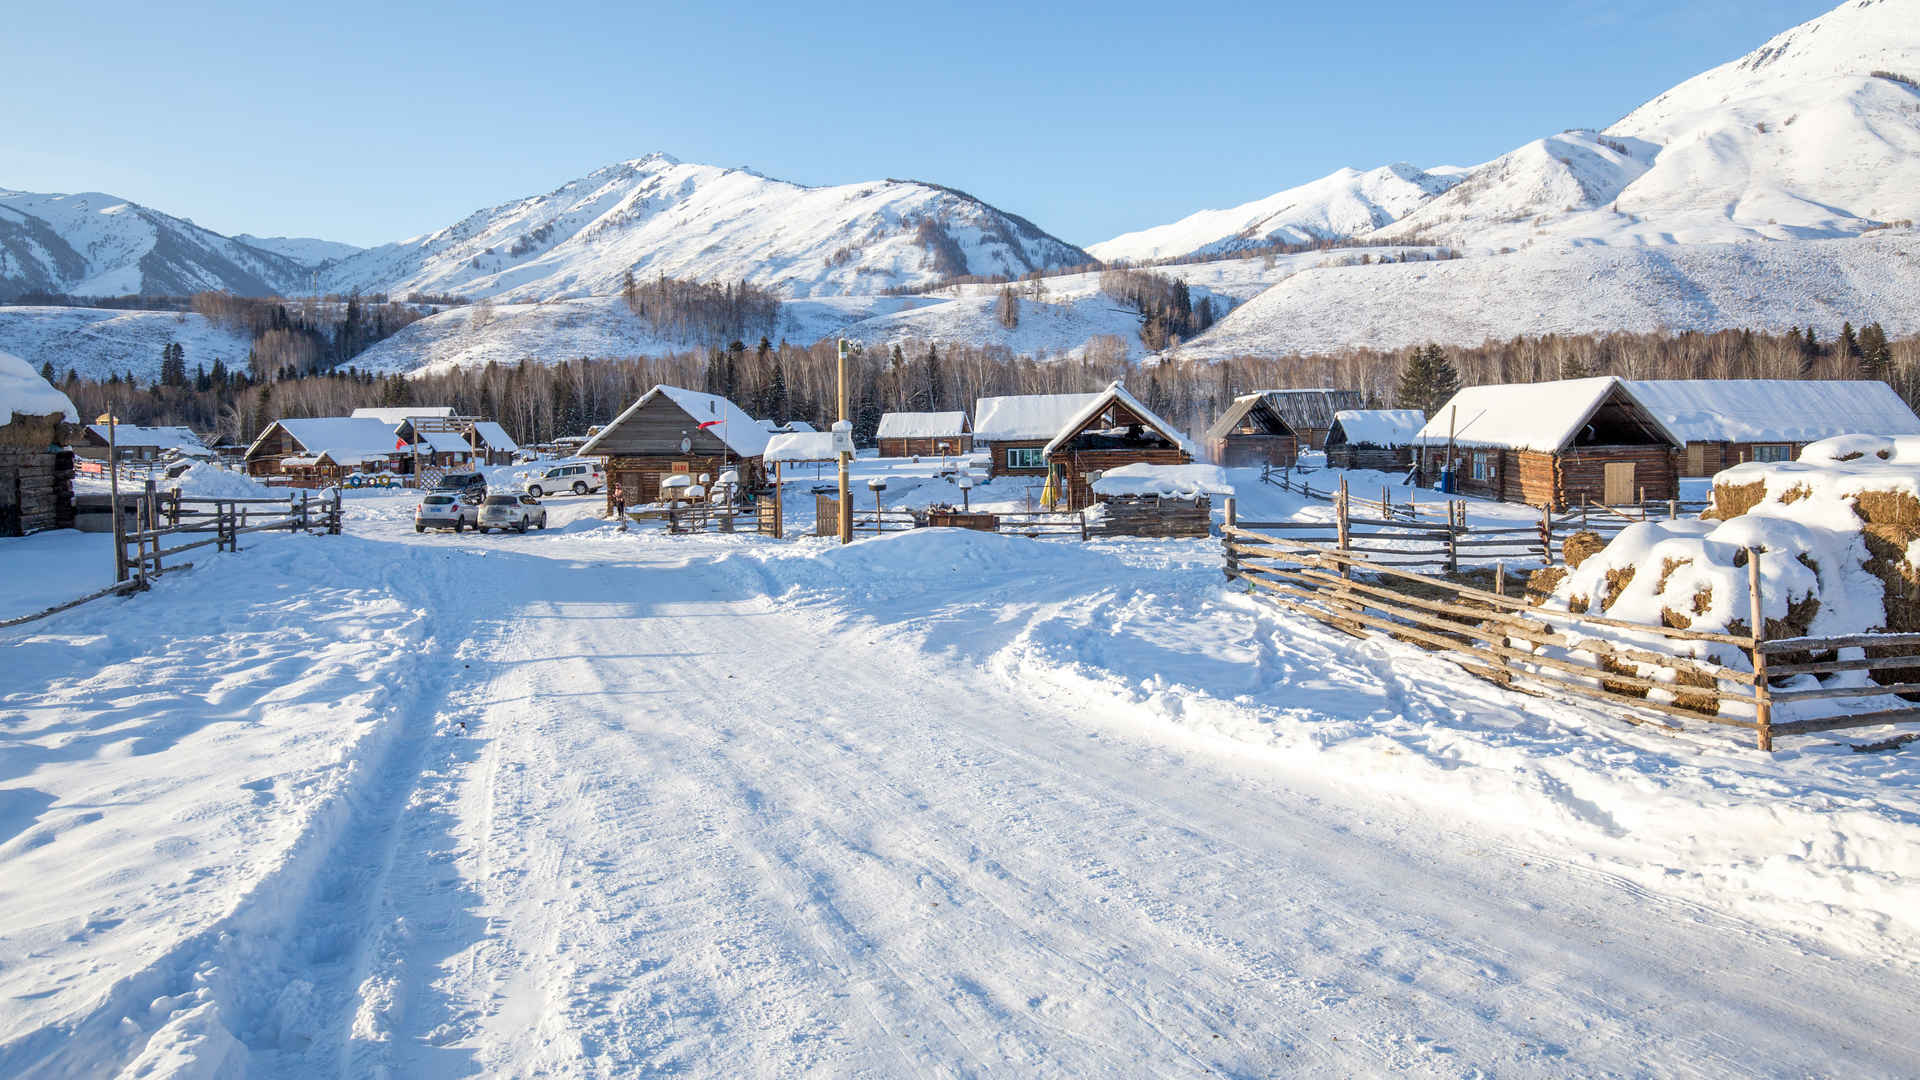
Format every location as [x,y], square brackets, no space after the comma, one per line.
[655,432]
[998,467]
[1244,451]
[1392,459]
[927,446]
[1075,465]
[36,490]
[639,477]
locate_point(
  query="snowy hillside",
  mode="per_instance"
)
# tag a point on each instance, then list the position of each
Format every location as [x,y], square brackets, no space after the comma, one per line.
[656,215]
[90,244]
[1345,204]
[1796,140]
[1070,313]
[97,342]
[1762,286]
[305,250]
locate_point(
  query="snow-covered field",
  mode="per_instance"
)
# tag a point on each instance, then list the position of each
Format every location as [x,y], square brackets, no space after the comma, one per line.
[592,802]
[97,342]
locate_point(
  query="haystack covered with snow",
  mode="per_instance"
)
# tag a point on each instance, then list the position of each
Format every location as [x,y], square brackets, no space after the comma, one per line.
[1836,532]
[23,391]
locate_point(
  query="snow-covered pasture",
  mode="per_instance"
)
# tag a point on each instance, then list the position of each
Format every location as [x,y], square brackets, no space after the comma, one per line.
[598,802]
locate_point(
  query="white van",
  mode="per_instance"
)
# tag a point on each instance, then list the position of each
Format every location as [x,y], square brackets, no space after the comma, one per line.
[579,477]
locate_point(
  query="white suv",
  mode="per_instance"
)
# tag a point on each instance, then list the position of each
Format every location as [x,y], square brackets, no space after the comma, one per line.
[579,478]
[446,510]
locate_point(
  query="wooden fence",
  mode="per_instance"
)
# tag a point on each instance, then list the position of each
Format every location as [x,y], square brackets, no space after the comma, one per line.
[161,519]
[1505,639]
[1042,524]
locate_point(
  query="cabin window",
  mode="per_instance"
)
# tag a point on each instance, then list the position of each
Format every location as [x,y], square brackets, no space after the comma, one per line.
[1025,457]
[1486,468]
[1773,452]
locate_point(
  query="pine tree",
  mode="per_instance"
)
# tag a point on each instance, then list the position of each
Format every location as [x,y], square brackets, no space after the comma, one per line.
[1876,356]
[1428,380]
[1007,308]
[46,371]
[936,383]
[1849,344]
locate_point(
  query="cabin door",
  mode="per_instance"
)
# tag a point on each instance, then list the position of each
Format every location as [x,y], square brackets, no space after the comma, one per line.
[1619,483]
[1696,459]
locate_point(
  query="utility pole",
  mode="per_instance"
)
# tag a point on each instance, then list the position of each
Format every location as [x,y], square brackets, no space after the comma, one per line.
[113,486]
[845,454]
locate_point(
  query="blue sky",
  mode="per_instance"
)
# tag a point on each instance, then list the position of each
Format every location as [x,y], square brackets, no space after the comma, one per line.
[372,122]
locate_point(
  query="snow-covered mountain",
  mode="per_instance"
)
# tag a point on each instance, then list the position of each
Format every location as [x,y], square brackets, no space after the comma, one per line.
[305,250]
[656,215]
[1798,139]
[1345,204]
[92,244]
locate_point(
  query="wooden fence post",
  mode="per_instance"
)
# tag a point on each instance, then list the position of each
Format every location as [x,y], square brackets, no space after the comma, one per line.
[1546,533]
[1456,513]
[1230,523]
[1673,509]
[1342,527]
[1763,705]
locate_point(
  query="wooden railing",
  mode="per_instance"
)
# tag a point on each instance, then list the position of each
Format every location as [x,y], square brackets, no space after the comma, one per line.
[1041,524]
[1582,656]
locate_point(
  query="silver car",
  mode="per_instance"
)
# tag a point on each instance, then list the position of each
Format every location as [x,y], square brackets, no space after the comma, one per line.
[516,512]
[441,510]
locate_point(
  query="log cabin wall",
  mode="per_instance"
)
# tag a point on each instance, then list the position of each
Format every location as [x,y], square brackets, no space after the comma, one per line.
[1390,459]
[998,464]
[639,478]
[1250,451]
[1582,472]
[36,490]
[927,446]
[1075,465]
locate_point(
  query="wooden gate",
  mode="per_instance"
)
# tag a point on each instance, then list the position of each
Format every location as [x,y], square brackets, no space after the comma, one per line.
[1619,484]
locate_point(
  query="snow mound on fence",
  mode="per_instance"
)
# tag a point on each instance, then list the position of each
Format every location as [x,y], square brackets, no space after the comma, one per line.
[208,481]
[1167,481]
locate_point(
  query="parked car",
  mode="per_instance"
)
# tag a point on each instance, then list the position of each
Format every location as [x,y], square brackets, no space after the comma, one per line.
[463,481]
[516,512]
[446,510]
[579,477]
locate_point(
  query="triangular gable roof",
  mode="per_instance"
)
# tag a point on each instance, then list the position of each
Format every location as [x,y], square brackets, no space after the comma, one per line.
[443,442]
[1242,405]
[739,432]
[1387,428]
[1542,416]
[1775,410]
[1313,407]
[346,434]
[1024,417]
[166,438]
[494,436]
[922,425]
[1116,394]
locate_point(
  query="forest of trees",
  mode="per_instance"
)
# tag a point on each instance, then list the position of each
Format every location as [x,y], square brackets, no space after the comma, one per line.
[1168,313]
[538,402]
[691,311]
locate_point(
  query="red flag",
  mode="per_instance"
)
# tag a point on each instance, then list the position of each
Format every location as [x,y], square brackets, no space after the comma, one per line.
[708,424]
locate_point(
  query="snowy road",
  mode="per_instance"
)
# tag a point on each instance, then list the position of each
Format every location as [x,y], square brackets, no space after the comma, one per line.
[695,829]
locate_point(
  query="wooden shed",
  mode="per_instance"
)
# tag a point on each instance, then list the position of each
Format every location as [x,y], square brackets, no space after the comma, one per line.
[1252,433]
[1112,430]
[671,430]
[928,434]
[135,442]
[1380,439]
[1726,422]
[1309,413]
[1554,443]
[1018,428]
[292,448]
[36,467]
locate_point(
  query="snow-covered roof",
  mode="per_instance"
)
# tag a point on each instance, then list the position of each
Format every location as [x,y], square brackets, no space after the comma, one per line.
[443,442]
[1528,416]
[922,425]
[800,446]
[494,436]
[741,433]
[1028,416]
[791,426]
[1379,427]
[1774,410]
[165,438]
[399,414]
[343,434]
[1116,394]
[1312,407]
[1171,481]
[23,391]
[800,426]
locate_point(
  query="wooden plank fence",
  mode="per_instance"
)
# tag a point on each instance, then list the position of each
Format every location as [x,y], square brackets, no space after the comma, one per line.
[1581,656]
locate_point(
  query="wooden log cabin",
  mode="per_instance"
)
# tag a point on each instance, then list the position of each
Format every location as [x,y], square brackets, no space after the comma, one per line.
[1252,433]
[925,434]
[1727,422]
[291,449]
[137,443]
[1309,413]
[36,467]
[1555,443]
[671,430]
[1017,429]
[1112,430]
[1379,439]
